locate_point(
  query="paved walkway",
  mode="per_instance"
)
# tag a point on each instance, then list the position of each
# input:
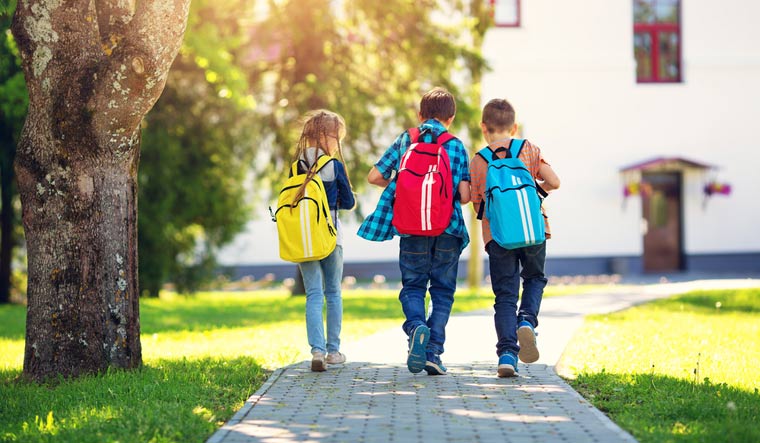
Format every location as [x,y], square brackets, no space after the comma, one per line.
[373,398]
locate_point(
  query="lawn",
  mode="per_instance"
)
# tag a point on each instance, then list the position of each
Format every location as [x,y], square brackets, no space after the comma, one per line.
[203,357]
[684,369]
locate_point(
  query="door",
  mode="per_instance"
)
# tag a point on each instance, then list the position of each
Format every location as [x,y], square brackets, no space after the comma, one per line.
[661,200]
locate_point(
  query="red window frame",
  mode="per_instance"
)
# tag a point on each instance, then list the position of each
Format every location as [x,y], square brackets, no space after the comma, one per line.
[655,31]
[514,24]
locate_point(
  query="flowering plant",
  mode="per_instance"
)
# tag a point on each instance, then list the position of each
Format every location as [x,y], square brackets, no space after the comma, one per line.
[714,187]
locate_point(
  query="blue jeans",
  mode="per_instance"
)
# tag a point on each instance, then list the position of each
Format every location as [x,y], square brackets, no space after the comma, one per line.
[322,282]
[429,261]
[505,267]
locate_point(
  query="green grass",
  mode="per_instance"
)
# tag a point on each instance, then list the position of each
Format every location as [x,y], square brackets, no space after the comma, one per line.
[684,369]
[203,357]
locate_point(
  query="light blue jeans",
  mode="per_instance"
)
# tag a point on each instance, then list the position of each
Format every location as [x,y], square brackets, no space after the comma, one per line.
[322,279]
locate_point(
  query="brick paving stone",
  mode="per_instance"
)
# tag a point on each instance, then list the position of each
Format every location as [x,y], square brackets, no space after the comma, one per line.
[373,398]
[364,402]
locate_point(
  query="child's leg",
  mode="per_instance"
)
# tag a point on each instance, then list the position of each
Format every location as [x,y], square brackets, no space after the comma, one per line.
[443,284]
[505,281]
[533,259]
[414,261]
[332,266]
[312,281]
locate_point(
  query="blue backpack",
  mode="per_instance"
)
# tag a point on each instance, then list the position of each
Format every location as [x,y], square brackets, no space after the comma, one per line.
[511,200]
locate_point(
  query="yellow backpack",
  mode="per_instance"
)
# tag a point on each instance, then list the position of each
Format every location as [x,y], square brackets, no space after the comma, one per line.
[305,227]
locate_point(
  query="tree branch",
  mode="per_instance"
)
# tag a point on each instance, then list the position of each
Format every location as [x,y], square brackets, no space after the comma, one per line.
[139,63]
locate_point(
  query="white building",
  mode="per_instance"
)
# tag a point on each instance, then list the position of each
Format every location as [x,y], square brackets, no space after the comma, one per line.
[656,96]
[606,88]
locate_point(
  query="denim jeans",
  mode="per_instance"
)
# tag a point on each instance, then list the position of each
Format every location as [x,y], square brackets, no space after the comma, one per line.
[322,282]
[428,263]
[505,267]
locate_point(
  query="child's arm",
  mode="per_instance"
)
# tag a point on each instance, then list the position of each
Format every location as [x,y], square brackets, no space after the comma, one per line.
[551,180]
[464,192]
[376,178]
[346,199]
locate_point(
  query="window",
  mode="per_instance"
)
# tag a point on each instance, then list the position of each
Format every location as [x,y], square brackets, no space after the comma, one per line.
[657,40]
[506,13]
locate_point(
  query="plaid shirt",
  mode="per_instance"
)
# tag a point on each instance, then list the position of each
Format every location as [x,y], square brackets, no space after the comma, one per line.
[378,225]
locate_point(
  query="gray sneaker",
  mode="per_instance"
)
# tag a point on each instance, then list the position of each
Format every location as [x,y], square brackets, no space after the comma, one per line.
[335,358]
[318,362]
[526,337]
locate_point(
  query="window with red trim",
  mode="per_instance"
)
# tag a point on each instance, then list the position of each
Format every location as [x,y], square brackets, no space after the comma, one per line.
[506,13]
[657,40]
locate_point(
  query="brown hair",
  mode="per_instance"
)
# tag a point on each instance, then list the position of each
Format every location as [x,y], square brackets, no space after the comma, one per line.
[318,126]
[438,103]
[498,116]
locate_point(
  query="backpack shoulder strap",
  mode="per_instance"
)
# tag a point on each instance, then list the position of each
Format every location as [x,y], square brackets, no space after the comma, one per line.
[515,147]
[414,134]
[486,154]
[444,137]
[322,161]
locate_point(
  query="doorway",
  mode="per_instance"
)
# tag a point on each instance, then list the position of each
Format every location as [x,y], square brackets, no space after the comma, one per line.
[663,221]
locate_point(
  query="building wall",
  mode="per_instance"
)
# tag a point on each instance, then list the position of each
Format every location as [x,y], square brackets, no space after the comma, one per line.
[570,73]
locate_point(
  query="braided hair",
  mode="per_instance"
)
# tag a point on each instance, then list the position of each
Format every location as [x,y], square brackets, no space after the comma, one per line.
[318,127]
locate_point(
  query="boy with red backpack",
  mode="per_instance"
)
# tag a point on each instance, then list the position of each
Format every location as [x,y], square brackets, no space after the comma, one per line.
[426,177]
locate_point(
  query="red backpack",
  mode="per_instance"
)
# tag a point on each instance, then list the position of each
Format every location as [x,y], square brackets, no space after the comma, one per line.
[424,188]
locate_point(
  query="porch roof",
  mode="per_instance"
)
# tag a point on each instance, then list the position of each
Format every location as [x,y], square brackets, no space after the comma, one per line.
[666,164]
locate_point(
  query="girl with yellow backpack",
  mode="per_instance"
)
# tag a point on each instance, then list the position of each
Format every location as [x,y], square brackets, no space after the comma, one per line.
[311,234]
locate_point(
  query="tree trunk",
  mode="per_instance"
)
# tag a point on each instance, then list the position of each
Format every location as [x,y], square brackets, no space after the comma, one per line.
[93,69]
[480,27]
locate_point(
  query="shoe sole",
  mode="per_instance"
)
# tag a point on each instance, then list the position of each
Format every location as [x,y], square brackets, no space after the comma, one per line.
[416,360]
[528,349]
[433,369]
[506,371]
[318,366]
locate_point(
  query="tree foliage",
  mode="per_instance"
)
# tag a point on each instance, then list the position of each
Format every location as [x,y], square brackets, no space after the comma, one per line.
[367,60]
[246,74]
[196,154]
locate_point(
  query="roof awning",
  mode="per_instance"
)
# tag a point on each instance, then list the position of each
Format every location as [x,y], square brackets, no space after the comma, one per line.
[665,164]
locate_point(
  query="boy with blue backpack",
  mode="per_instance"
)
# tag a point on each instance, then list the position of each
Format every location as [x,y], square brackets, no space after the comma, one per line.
[426,178]
[509,179]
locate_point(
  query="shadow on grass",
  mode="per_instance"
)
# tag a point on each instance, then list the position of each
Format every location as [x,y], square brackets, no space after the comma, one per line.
[656,408]
[170,401]
[209,312]
[12,321]
[158,316]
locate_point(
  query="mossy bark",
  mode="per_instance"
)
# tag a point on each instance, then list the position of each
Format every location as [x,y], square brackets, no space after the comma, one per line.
[93,70]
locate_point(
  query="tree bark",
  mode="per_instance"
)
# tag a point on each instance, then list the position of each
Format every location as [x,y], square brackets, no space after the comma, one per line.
[93,69]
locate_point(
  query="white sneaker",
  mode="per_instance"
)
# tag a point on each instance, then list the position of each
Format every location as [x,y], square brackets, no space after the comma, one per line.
[335,358]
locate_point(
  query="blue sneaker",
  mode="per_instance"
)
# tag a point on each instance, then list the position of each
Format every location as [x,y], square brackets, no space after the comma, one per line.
[507,365]
[415,362]
[526,338]
[433,365]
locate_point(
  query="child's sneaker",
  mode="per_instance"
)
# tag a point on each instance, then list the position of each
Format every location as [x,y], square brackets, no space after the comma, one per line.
[318,361]
[415,362]
[335,358]
[507,365]
[526,338]
[433,365]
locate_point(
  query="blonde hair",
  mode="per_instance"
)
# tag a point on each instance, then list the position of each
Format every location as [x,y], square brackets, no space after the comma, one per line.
[318,126]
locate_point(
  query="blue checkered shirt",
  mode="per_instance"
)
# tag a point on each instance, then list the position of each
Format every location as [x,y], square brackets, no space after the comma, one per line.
[378,225]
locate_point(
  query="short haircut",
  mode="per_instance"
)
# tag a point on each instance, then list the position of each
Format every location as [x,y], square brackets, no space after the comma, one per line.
[498,116]
[438,103]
